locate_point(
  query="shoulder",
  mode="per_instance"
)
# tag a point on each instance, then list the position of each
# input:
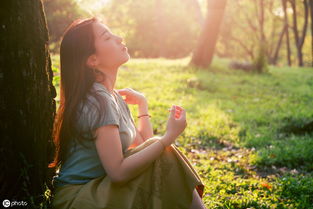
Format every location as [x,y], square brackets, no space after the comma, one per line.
[100,89]
[98,108]
[99,92]
[96,100]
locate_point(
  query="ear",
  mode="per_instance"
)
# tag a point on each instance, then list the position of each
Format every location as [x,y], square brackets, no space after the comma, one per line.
[92,61]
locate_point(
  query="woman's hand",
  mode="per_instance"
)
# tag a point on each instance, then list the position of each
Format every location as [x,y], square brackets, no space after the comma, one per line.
[176,124]
[132,96]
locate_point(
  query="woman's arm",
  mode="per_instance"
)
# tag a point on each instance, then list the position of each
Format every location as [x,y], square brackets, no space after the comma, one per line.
[144,124]
[134,97]
[138,140]
[109,148]
[118,168]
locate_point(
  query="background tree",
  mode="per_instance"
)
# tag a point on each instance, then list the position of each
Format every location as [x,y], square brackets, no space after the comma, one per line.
[241,33]
[60,13]
[27,104]
[299,35]
[284,4]
[260,63]
[170,29]
[155,28]
[204,51]
[311,12]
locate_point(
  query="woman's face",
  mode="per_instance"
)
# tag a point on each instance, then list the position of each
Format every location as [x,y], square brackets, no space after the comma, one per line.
[110,52]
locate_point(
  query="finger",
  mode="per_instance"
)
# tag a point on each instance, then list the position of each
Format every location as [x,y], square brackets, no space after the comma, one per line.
[173,110]
[122,91]
[179,107]
[183,115]
[178,110]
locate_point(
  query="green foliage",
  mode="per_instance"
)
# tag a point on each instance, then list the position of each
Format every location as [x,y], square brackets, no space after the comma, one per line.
[297,191]
[150,28]
[231,182]
[260,63]
[154,28]
[292,152]
[59,15]
[234,136]
[170,29]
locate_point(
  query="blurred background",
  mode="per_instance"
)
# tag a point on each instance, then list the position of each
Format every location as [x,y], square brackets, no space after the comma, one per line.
[171,29]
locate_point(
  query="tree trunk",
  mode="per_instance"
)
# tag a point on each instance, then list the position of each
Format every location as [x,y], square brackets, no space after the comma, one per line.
[261,19]
[276,53]
[299,39]
[304,28]
[27,102]
[284,3]
[203,54]
[311,12]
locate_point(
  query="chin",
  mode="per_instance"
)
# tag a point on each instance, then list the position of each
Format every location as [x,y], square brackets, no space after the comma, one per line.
[126,58]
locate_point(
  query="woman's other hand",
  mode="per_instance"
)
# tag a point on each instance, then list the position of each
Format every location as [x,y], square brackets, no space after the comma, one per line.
[176,124]
[132,96]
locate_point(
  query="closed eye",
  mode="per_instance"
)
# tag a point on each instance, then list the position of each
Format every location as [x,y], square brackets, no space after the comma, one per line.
[106,36]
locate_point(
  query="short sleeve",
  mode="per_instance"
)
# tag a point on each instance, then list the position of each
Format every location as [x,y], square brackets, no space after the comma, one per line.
[127,108]
[98,111]
[129,113]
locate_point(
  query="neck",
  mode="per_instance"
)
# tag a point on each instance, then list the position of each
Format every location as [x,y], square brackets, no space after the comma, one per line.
[109,80]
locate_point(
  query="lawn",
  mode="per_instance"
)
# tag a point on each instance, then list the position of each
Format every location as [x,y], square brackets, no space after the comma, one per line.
[243,129]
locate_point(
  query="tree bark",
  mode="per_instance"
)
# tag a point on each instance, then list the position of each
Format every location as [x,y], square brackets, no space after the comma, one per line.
[203,54]
[27,102]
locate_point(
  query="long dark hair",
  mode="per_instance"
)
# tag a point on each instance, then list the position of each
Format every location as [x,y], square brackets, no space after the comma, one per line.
[76,81]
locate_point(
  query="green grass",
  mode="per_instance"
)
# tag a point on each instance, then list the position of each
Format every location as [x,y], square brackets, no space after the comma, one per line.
[236,134]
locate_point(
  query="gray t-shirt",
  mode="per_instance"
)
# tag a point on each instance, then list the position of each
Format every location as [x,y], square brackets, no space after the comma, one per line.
[83,163]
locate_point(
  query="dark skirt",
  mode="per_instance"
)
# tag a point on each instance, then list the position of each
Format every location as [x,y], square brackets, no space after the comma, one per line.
[168,183]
